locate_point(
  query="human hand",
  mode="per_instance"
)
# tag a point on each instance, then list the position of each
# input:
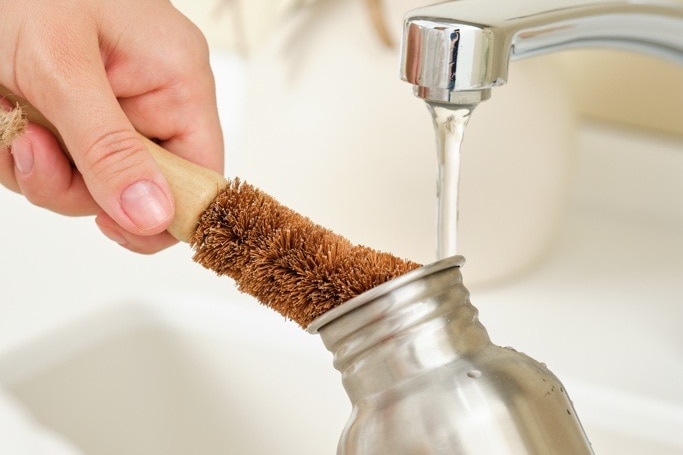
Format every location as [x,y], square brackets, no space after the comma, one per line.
[100,70]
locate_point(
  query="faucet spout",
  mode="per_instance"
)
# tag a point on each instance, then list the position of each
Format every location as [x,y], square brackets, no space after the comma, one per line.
[455,52]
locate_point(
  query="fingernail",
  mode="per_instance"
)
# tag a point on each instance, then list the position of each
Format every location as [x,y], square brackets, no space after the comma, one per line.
[146,205]
[22,151]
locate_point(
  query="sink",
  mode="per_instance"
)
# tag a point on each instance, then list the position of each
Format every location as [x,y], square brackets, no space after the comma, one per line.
[181,375]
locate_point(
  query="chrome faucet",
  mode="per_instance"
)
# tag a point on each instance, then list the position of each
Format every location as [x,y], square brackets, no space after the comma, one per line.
[455,52]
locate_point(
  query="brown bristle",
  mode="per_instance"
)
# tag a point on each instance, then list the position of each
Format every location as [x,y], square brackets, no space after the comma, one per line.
[298,268]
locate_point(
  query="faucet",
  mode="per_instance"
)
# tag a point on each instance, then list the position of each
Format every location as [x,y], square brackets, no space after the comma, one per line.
[455,52]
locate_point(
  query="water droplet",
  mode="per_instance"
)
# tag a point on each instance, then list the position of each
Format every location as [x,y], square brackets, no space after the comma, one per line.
[474,374]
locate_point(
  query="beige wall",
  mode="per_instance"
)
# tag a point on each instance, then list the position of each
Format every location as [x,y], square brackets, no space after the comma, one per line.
[628,88]
[614,86]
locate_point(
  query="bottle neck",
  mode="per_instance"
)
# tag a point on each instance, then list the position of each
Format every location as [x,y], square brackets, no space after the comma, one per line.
[424,323]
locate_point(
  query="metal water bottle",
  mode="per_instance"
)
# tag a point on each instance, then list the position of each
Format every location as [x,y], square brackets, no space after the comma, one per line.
[424,378]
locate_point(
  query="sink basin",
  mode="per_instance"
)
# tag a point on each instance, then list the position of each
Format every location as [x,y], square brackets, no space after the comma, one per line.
[179,376]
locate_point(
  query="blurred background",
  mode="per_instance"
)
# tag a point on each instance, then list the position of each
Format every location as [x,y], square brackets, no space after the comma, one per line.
[571,223]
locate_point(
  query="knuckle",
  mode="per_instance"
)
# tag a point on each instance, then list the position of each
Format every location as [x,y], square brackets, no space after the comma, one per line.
[199,46]
[190,51]
[112,154]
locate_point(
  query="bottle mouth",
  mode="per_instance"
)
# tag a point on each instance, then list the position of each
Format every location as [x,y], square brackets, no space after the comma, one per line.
[384,288]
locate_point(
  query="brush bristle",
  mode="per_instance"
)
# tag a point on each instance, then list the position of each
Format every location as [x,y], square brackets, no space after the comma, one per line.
[290,264]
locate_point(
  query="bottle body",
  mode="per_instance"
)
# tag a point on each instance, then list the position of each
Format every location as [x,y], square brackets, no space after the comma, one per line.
[499,402]
[424,378]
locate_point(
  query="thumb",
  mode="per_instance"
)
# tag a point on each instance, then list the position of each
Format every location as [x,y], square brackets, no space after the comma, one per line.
[119,172]
[122,176]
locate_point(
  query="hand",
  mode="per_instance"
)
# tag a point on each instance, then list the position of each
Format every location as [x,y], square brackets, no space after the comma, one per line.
[99,70]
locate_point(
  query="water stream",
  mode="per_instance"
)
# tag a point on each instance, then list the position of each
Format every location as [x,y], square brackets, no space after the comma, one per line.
[449,125]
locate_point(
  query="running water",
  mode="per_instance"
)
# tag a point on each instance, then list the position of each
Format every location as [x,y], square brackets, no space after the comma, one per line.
[449,126]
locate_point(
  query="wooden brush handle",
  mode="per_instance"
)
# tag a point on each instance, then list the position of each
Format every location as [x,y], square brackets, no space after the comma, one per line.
[194,187]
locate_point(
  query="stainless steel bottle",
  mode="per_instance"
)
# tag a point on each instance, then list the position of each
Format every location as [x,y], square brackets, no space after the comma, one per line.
[424,378]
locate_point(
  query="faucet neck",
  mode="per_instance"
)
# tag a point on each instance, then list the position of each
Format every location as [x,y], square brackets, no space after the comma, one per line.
[466,45]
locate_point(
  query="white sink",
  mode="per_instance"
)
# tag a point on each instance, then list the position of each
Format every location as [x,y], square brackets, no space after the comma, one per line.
[181,375]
